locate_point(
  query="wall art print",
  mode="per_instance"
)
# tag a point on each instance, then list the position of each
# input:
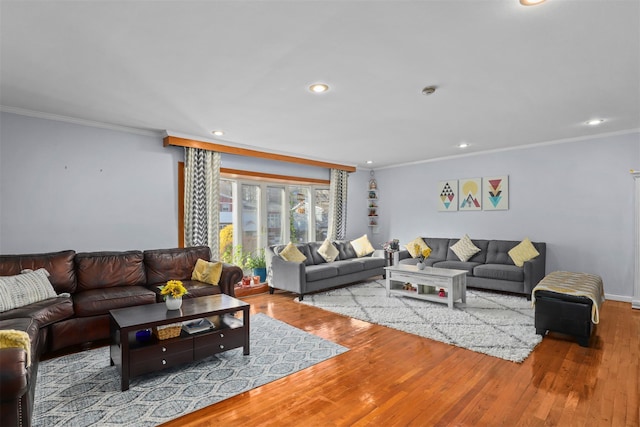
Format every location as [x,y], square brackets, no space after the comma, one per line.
[448,195]
[470,194]
[495,193]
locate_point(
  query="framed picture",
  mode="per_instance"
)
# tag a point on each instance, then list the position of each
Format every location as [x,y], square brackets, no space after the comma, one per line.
[448,195]
[495,193]
[470,195]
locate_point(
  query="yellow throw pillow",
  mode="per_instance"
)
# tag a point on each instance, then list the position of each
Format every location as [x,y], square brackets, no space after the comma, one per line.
[292,253]
[411,246]
[524,251]
[362,246]
[11,338]
[465,249]
[207,272]
[328,251]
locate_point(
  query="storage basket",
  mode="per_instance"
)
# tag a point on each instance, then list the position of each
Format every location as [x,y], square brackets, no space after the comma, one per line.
[164,332]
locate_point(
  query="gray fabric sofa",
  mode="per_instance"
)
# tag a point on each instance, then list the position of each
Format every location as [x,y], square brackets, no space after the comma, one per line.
[491,268]
[315,274]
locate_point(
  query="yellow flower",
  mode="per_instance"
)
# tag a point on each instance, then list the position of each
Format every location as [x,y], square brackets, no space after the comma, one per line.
[175,288]
[424,254]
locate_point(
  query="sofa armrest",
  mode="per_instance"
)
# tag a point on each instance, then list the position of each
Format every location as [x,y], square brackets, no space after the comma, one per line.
[287,275]
[535,269]
[13,373]
[231,274]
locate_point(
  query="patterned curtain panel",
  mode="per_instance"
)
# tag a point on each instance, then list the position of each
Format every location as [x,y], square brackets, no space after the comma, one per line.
[338,204]
[202,199]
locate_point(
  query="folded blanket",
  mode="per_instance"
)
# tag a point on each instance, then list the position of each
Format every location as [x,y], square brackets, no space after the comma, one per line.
[10,338]
[576,284]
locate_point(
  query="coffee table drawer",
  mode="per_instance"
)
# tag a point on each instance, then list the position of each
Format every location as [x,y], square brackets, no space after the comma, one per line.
[143,366]
[161,349]
[218,341]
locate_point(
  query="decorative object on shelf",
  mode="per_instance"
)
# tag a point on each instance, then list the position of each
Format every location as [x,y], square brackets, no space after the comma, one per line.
[143,335]
[392,248]
[441,293]
[173,292]
[164,332]
[246,281]
[373,203]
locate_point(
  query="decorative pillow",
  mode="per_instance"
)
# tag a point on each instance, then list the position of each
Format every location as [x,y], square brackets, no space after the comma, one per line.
[328,251]
[362,246]
[465,249]
[207,272]
[522,252]
[24,289]
[11,338]
[292,253]
[411,246]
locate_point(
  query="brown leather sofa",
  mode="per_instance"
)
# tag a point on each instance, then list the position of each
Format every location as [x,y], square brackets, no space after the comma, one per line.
[88,286]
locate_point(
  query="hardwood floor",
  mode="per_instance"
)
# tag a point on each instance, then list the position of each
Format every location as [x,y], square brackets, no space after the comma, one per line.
[391,378]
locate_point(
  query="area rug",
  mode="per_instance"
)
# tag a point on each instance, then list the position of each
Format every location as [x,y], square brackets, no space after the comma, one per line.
[83,390]
[491,323]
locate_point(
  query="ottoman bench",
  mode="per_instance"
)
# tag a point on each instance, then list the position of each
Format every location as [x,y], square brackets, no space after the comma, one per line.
[568,303]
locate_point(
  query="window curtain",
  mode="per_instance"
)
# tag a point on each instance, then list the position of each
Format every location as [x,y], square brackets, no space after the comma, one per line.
[202,199]
[338,204]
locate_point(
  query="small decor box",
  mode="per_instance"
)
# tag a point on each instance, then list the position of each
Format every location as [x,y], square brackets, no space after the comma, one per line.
[164,332]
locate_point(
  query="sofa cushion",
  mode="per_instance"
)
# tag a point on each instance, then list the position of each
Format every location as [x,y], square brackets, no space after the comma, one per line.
[98,270]
[464,248]
[362,246]
[292,253]
[99,301]
[457,265]
[421,246]
[207,272]
[327,251]
[500,272]
[320,272]
[522,252]
[348,266]
[60,266]
[345,249]
[24,289]
[44,313]
[369,263]
[498,252]
[173,264]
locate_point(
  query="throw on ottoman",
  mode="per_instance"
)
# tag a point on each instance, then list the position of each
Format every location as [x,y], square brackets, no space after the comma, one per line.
[568,303]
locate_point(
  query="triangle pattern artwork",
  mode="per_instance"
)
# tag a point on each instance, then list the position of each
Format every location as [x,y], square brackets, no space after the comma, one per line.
[470,194]
[495,193]
[448,196]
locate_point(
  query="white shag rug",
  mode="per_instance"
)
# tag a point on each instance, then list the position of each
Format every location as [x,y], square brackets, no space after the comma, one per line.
[491,323]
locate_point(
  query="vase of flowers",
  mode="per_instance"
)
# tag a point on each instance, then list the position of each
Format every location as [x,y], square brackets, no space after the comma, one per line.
[422,255]
[173,292]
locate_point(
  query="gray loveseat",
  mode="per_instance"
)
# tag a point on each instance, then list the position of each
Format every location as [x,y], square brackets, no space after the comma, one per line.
[491,268]
[315,274]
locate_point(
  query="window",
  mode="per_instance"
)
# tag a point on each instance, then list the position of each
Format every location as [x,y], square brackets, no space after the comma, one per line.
[269,213]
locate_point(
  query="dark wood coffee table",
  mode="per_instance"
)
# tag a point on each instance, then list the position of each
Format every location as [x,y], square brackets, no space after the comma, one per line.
[134,356]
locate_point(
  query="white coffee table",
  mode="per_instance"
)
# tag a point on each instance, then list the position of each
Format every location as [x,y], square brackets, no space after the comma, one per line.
[427,283]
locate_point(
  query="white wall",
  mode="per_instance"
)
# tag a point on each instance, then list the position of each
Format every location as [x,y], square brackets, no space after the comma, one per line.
[67,186]
[575,196]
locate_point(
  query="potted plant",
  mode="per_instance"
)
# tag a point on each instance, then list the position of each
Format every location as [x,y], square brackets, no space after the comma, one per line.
[258,263]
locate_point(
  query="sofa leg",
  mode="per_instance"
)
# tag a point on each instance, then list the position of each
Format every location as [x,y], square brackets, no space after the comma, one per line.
[540,331]
[271,290]
[583,341]
[300,297]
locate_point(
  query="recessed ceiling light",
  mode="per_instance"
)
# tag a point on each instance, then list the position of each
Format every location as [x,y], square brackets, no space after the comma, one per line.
[531,2]
[463,145]
[369,162]
[595,122]
[318,88]
[217,132]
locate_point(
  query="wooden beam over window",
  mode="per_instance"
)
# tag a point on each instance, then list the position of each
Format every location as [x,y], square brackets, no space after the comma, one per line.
[183,142]
[261,176]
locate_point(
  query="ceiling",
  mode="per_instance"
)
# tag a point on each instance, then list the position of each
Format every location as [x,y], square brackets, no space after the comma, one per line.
[506,75]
